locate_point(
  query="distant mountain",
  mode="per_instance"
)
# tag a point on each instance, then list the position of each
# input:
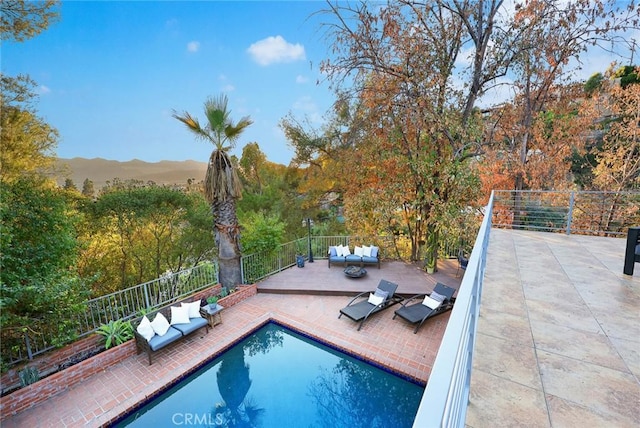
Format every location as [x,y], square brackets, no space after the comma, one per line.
[102,170]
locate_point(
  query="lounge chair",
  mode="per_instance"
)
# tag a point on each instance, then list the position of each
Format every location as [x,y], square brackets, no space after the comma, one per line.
[361,307]
[426,306]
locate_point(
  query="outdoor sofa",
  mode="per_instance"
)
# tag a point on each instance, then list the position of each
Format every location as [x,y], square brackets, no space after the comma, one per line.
[167,325]
[365,255]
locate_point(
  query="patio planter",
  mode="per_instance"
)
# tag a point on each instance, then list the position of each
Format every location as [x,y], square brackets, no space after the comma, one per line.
[49,386]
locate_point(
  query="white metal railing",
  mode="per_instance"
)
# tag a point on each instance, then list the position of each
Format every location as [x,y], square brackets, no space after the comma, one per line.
[444,403]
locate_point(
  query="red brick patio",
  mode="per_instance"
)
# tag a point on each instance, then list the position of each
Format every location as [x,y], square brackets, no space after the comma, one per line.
[304,299]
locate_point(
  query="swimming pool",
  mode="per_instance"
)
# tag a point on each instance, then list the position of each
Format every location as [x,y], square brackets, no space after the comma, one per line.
[278,378]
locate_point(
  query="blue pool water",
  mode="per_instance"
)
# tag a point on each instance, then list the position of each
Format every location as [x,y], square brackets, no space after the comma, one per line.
[278,378]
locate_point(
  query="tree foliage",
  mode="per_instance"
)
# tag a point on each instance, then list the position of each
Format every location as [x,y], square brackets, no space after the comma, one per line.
[28,143]
[23,19]
[135,234]
[39,289]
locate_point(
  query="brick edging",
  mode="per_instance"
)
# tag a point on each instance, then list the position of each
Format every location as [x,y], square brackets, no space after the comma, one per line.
[40,391]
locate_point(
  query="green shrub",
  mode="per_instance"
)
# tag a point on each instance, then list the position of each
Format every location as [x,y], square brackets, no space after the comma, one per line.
[115,332]
[29,375]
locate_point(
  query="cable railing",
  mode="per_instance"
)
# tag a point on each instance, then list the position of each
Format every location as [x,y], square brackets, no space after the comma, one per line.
[446,396]
[580,212]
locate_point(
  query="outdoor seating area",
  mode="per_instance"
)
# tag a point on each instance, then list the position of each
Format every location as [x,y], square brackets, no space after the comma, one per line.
[170,324]
[362,255]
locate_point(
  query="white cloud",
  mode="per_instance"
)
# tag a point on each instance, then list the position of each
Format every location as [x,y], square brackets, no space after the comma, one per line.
[301,79]
[274,50]
[44,89]
[193,46]
[228,88]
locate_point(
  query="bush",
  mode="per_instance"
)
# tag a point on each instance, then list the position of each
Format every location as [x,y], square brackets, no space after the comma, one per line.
[116,332]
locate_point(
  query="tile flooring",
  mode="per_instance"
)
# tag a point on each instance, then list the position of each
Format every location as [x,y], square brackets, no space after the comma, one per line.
[559,334]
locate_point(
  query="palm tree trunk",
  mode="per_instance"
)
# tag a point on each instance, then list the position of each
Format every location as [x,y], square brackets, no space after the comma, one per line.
[227,236]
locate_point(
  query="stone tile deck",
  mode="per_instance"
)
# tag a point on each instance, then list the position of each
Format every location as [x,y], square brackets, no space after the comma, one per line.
[99,400]
[559,334]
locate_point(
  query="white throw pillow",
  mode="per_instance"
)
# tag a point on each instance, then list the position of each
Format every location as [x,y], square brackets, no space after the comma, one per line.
[431,303]
[194,309]
[346,251]
[145,329]
[358,251]
[339,250]
[375,300]
[179,315]
[160,324]
[366,251]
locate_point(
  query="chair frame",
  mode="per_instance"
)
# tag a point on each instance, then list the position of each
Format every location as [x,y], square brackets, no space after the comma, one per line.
[362,310]
[446,305]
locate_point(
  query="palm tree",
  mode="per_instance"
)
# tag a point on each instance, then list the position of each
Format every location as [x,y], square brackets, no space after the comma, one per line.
[222,185]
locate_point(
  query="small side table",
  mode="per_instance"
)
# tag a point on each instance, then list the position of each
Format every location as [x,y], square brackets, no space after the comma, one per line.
[212,314]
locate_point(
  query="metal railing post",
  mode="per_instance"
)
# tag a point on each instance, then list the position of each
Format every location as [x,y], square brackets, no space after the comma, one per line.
[570,212]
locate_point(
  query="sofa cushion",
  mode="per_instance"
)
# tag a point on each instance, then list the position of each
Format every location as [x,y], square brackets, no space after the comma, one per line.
[332,251]
[160,324]
[158,342]
[370,259]
[179,315]
[374,251]
[193,308]
[353,258]
[191,326]
[145,329]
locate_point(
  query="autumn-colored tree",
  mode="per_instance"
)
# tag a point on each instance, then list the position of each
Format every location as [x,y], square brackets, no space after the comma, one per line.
[547,39]
[618,163]
[415,130]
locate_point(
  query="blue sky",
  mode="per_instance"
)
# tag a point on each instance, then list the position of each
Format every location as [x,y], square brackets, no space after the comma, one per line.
[109,74]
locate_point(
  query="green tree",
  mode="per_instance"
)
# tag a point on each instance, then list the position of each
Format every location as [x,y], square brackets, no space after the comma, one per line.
[87,188]
[133,235]
[28,143]
[39,289]
[222,184]
[22,19]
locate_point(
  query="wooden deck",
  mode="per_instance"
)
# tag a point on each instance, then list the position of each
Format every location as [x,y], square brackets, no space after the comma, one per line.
[317,278]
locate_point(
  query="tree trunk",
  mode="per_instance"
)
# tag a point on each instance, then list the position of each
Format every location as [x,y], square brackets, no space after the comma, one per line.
[227,236]
[431,257]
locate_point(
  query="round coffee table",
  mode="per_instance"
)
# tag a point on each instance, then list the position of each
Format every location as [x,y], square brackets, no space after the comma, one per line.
[354,271]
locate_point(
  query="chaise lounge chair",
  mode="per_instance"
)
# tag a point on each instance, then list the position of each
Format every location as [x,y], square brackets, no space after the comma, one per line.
[376,301]
[439,301]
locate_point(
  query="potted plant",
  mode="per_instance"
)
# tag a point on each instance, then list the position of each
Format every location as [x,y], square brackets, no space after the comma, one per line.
[212,301]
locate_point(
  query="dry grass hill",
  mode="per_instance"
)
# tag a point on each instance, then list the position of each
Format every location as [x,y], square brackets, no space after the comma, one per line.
[101,170]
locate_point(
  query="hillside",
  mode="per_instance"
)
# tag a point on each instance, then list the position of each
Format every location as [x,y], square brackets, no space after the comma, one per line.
[101,170]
